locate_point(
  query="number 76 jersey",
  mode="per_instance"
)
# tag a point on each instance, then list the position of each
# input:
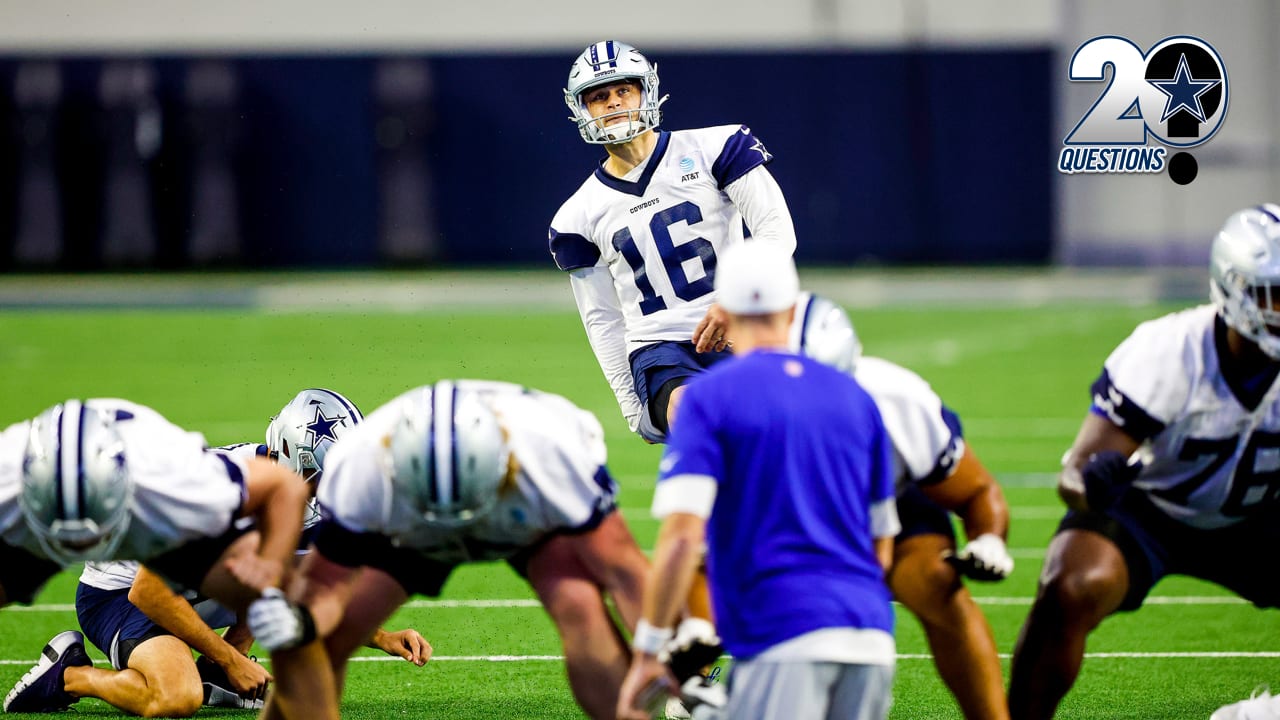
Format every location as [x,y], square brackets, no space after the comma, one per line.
[660,229]
[1211,446]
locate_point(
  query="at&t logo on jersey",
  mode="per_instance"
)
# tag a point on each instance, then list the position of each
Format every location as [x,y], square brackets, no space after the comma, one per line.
[1172,96]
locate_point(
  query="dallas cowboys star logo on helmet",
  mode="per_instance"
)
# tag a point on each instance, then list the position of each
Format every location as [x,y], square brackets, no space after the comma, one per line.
[321,427]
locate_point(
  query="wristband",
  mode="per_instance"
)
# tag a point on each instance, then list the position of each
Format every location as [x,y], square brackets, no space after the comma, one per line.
[650,640]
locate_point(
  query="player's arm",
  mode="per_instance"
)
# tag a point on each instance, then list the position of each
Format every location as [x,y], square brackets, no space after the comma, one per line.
[276,498]
[172,612]
[601,313]
[1097,465]
[675,560]
[972,493]
[764,209]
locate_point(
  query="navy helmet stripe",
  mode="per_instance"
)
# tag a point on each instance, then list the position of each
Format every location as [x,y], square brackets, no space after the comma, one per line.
[455,492]
[804,323]
[1263,209]
[81,483]
[352,410]
[57,466]
[610,55]
[442,419]
[432,489]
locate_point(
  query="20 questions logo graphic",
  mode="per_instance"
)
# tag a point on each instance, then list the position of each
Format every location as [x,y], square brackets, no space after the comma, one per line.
[1175,94]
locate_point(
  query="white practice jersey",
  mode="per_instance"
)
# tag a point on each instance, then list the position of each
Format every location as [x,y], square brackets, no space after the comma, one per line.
[660,229]
[561,483]
[111,575]
[179,493]
[119,574]
[1209,460]
[13,444]
[926,435]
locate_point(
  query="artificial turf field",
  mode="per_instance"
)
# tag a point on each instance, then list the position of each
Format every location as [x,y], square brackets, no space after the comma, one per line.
[1018,376]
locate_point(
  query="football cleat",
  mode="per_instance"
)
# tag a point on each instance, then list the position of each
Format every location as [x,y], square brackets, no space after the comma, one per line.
[1262,705]
[218,691]
[703,690]
[41,689]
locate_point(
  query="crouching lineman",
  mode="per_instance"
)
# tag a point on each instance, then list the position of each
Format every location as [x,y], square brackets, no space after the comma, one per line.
[936,472]
[452,473]
[108,479]
[1173,471]
[147,631]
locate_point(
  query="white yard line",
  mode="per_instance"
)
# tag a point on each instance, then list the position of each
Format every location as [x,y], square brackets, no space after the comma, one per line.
[531,603]
[1209,655]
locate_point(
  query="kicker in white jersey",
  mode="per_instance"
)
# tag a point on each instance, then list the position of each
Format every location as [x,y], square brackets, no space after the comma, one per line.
[1210,459]
[660,229]
[559,481]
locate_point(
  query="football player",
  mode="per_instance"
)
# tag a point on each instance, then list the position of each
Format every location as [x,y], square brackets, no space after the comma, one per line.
[1173,469]
[937,474]
[107,479]
[147,631]
[452,473]
[640,237]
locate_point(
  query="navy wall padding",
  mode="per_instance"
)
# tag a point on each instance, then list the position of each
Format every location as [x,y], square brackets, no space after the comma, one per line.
[895,156]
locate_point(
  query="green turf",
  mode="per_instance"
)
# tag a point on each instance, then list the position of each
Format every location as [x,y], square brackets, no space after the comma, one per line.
[1018,377]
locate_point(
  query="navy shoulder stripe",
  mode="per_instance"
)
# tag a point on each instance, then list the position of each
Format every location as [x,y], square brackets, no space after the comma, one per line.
[742,153]
[1111,403]
[572,251]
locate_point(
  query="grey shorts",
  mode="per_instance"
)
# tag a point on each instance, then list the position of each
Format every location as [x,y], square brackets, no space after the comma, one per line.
[808,691]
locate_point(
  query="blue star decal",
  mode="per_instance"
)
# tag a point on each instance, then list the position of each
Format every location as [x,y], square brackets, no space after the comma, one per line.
[1184,91]
[322,427]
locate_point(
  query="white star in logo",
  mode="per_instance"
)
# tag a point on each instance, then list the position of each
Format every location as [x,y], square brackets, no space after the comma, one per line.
[759,147]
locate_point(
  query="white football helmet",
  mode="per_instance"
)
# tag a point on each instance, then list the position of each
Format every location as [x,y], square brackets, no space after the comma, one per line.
[447,452]
[1244,275]
[75,483]
[304,430]
[822,330]
[607,62]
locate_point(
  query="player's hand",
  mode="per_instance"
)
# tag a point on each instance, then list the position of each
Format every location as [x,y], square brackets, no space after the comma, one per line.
[247,677]
[406,643]
[710,333]
[646,688]
[984,558]
[278,624]
[1106,476]
[256,572]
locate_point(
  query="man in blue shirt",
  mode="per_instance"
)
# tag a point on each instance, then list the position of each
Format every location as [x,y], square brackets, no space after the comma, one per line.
[783,466]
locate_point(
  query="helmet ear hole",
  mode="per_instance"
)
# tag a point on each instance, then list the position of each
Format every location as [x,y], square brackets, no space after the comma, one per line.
[284,448]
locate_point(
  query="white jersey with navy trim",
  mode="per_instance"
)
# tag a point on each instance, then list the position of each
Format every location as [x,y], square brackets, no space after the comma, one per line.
[561,483]
[246,451]
[1209,461]
[111,575]
[179,491]
[926,436]
[13,445]
[660,229]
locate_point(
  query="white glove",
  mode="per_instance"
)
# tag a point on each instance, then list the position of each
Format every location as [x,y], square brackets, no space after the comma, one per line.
[278,624]
[984,558]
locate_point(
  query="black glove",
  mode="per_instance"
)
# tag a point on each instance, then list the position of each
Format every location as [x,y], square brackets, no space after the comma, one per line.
[1106,476]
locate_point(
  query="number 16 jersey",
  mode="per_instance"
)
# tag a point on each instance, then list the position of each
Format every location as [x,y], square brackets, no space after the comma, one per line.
[660,228]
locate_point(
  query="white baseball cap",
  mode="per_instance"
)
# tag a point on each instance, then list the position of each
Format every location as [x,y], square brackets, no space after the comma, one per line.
[756,278]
